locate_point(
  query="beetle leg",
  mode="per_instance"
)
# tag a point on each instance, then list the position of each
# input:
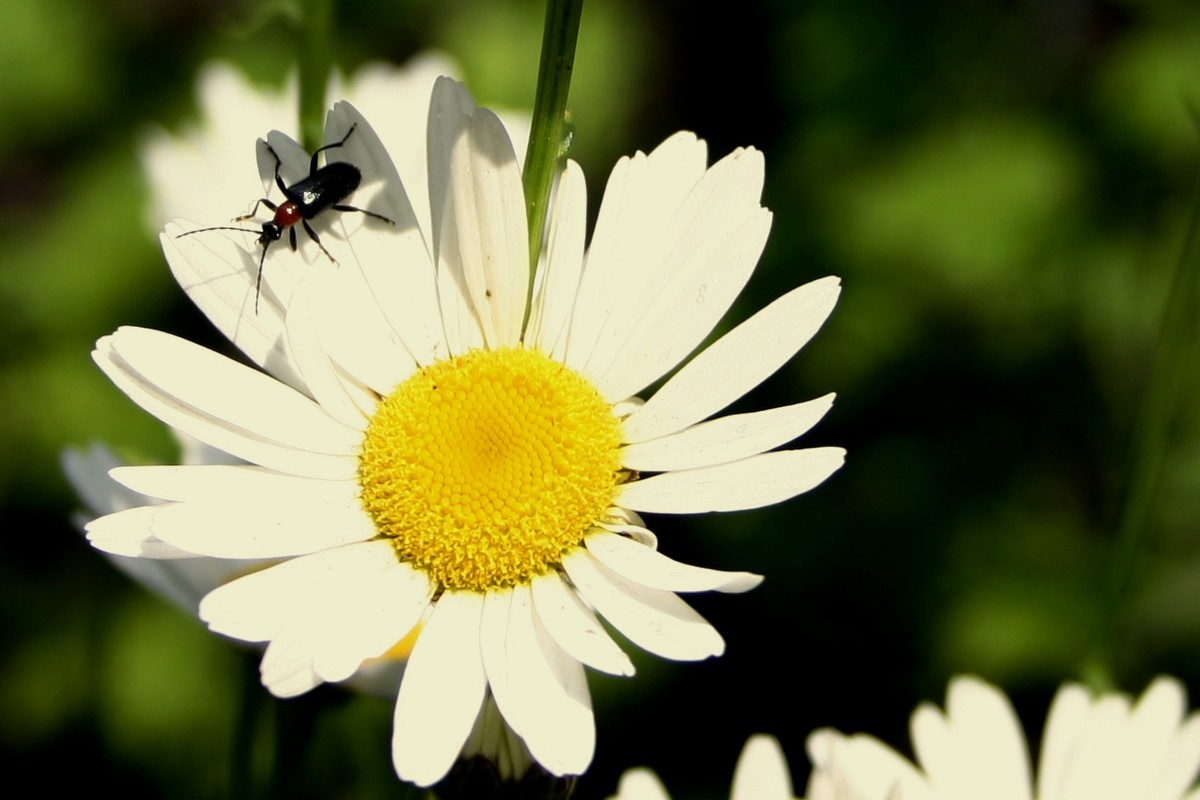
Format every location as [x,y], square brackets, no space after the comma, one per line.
[312,165]
[254,212]
[313,235]
[292,235]
[341,207]
[278,163]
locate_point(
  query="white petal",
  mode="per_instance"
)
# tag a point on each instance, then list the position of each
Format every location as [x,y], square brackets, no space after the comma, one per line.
[640,784]
[333,611]
[450,112]
[645,566]
[225,389]
[977,750]
[1068,715]
[575,628]
[266,529]
[342,399]
[691,271]
[258,606]
[563,264]
[286,668]
[725,438]
[656,621]
[395,260]
[735,363]
[377,605]
[233,483]
[442,691]
[538,688]
[861,767]
[642,195]
[128,533]
[1182,761]
[753,482]
[485,238]
[762,771]
[238,401]
[218,271]
[355,334]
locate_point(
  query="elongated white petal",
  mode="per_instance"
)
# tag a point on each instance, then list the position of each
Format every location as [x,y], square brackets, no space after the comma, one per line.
[227,390]
[128,533]
[726,438]
[355,333]
[286,667]
[487,232]
[977,747]
[377,605]
[538,688]
[643,565]
[642,195]
[563,265]
[396,261]
[762,771]
[255,608]
[233,483]
[341,399]
[753,482]
[261,530]
[1067,719]
[735,363]
[564,737]
[691,271]
[575,628]
[654,620]
[217,270]
[450,113]
[641,784]
[442,691]
[298,456]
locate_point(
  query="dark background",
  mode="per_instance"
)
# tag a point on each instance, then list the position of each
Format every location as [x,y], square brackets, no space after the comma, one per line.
[1005,189]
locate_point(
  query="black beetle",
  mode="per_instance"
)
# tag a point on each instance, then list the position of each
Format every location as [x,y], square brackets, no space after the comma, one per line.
[323,188]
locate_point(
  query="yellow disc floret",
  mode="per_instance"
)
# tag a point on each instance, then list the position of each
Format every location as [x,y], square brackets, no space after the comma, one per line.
[487,467]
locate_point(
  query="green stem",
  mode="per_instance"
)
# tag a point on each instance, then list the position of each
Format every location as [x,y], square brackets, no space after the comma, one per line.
[1172,360]
[316,33]
[547,141]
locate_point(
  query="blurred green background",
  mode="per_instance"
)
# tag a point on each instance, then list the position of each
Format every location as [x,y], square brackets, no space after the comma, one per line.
[1005,189]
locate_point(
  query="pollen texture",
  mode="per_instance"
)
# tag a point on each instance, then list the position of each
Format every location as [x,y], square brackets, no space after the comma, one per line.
[487,467]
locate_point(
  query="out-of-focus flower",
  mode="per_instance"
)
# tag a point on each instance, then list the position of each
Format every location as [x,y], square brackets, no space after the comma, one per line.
[1093,748]
[761,774]
[433,447]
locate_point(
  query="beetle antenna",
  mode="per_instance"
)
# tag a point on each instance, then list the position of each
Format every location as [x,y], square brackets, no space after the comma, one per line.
[258,281]
[219,228]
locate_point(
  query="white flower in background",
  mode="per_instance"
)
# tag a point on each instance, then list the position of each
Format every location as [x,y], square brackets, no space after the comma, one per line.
[1093,748]
[761,774]
[417,454]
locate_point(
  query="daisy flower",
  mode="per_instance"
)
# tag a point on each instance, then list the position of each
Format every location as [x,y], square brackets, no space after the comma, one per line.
[1093,748]
[428,449]
[761,774]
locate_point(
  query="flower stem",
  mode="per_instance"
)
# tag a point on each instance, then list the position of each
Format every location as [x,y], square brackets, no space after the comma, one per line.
[1175,355]
[548,142]
[315,35]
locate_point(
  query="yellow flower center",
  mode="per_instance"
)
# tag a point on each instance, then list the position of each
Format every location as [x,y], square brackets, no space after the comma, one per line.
[487,467]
